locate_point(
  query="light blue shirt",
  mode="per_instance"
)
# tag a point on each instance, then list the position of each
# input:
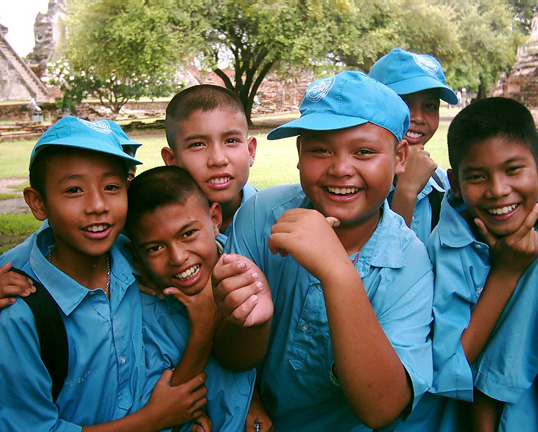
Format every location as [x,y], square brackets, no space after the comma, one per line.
[166,332]
[421,223]
[508,365]
[106,372]
[248,191]
[297,384]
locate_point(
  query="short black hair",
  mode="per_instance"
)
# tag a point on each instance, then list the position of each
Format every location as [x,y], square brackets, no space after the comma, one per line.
[156,188]
[41,164]
[206,97]
[488,118]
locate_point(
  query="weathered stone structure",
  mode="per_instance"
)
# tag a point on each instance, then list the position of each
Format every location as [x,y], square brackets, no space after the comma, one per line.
[522,83]
[17,81]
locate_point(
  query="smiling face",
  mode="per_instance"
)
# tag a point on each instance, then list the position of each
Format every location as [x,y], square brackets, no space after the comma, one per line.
[348,173]
[424,109]
[85,203]
[498,182]
[213,146]
[177,244]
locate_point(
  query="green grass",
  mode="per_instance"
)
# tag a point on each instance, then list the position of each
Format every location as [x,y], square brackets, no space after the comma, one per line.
[14,228]
[6,196]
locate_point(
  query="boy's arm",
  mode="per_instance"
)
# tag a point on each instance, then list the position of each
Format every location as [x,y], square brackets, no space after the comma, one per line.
[482,416]
[372,376]
[418,170]
[243,295]
[509,256]
[13,284]
[203,317]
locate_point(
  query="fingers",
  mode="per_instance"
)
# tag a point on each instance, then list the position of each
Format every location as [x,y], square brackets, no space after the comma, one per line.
[488,237]
[14,284]
[334,222]
[4,303]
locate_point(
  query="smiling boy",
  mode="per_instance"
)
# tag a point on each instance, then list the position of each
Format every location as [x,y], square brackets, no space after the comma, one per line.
[484,252]
[78,178]
[351,284]
[420,82]
[173,230]
[207,134]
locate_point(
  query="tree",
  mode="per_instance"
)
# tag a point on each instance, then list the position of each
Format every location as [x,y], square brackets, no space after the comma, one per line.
[117,50]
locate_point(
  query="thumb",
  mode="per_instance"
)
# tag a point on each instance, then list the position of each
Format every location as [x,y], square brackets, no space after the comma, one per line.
[489,238]
[166,377]
[334,222]
[5,268]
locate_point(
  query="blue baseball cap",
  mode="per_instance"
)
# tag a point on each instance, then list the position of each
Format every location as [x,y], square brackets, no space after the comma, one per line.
[90,135]
[125,141]
[348,99]
[407,72]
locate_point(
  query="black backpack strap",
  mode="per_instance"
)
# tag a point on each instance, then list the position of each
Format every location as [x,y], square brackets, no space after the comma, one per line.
[435,197]
[51,333]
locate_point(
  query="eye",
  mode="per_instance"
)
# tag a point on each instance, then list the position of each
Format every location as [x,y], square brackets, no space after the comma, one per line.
[152,250]
[363,152]
[514,169]
[232,141]
[432,106]
[113,187]
[73,190]
[474,178]
[195,145]
[189,233]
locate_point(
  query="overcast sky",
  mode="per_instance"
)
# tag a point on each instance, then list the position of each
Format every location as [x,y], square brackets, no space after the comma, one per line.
[19,17]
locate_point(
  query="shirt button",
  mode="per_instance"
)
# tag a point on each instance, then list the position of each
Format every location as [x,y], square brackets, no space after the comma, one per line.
[123,359]
[305,327]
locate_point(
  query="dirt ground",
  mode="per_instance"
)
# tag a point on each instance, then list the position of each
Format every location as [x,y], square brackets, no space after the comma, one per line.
[14,205]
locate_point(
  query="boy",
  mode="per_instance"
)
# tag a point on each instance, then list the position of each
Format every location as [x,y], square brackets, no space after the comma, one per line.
[349,347]
[173,229]
[78,173]
[207,134]
[484,252]
[420,81]
[13,284]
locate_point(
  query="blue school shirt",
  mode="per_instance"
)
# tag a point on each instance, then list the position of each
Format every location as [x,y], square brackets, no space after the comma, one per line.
[421,223]
[166,332]
[508,365]
[297,385]
[248,191]
[106,372]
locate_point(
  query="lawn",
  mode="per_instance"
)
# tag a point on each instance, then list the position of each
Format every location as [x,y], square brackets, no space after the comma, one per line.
[276,163]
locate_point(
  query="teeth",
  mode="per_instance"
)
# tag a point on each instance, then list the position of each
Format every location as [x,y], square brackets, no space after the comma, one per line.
[502,210]
[415,135]
[342,191]
[96,228]
[189,272]
[219,180]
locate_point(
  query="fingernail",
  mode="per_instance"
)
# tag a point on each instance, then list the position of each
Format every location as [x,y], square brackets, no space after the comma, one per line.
[255,275]
[259,285]
[242,264]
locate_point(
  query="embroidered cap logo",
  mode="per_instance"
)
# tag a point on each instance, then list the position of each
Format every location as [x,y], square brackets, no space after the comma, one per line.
[427,64]
[99,125]
[319,90]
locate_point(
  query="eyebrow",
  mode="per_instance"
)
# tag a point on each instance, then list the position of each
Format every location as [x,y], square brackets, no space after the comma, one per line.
[81,176]
[506,162]
[201,136]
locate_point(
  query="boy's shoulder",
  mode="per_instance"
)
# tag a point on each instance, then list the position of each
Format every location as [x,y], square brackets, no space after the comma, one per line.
[288,196]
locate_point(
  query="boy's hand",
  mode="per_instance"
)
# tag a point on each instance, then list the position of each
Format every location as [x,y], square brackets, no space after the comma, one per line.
[13,284]
[257,418]
[515,252]
[202,424]
[170,406]
[418,170]
[203,311]
[241,291]
[310,238]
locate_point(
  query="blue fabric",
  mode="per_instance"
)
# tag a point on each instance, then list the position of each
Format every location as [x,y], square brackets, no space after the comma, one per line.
[507,368]
[296,379]
[422,215]
[166,332]
[248,191]
[106,373]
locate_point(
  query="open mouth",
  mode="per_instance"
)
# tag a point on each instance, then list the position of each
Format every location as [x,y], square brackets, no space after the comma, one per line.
[414,135]
[96,228]
[189,273]
[342,190]
[219,180]
[500,211]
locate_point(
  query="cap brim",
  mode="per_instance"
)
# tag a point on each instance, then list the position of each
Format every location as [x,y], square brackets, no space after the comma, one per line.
[315,122]
[88,144]
[413,85]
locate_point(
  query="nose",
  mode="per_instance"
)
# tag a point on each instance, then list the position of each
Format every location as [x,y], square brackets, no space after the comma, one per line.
[417,116]
[96,203]
[498,187]
[341,167]
[217,156]
[178,255]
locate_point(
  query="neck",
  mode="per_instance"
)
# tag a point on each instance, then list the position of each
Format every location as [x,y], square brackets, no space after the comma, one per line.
[90,272]
[355,236]
[228,211]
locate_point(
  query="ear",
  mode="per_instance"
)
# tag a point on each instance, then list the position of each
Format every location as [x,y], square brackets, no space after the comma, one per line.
[401,153]
[168,155]
[36,203]
[252,144]
[454,182]
[215,213]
